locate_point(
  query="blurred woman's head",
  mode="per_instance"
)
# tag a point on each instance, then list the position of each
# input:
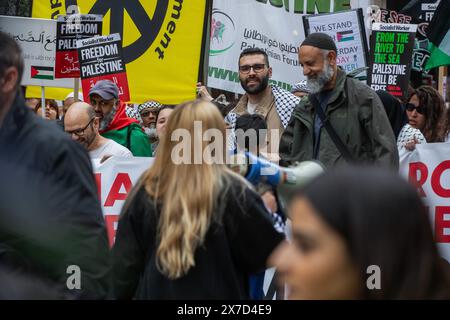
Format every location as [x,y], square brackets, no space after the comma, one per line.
[185,183]
[161,119]
[51,109]
[347,222]
[426,111]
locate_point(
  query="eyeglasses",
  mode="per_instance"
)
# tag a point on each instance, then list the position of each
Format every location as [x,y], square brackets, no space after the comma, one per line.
[410,107]
[256,67]
[80,132]
[148,112]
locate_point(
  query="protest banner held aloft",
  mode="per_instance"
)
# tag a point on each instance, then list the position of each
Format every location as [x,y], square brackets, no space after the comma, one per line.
[101,59]
[347,30]
[37,39]
[69,30]
[391,50]
[162,43]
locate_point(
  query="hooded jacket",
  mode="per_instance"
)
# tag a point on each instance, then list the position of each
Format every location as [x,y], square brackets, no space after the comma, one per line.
[128,133]
[50,215]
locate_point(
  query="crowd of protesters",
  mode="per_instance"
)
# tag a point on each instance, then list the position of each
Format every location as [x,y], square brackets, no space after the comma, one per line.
[200,230]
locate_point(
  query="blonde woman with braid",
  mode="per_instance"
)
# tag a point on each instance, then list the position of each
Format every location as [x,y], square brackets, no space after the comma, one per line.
[190,231]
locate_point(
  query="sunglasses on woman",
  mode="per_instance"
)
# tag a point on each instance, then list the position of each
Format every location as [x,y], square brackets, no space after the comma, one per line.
[410,107]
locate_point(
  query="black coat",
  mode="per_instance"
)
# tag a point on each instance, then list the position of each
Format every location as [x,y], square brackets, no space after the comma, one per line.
[238,243]
[50,216]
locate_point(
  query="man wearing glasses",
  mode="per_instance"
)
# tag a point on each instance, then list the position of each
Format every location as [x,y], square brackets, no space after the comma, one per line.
[113,121]
[274,104]
[83,126]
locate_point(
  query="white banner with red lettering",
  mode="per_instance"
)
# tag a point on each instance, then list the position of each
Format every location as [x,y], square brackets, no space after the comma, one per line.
[428,167]
[115,177]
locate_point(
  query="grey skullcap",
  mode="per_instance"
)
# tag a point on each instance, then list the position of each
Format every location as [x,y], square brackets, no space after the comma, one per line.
[320,40]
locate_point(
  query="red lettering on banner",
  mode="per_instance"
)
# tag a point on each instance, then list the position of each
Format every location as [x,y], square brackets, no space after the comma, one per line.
[98,181]
[414,169]
[111,221]
[436,179]
[440,224]
[122,179]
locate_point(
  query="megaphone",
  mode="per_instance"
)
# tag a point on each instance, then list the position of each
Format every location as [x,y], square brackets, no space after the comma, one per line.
[286,180]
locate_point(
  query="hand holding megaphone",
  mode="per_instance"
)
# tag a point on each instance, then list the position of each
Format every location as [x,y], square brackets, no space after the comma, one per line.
[286,180]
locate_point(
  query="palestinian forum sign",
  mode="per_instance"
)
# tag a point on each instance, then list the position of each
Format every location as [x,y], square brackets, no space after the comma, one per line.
[428,168]
[37,39]
[391,50]
[101,59]
[69,30]
[348,32]
[237,25]
[162,43]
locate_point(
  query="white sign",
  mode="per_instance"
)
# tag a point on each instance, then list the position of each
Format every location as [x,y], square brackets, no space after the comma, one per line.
[37,38]
[347,30]
[394,27]
[236,25]
[428,167]
[115,178]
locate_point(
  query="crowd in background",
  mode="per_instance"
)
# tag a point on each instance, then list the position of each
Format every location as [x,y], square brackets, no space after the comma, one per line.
[202,231]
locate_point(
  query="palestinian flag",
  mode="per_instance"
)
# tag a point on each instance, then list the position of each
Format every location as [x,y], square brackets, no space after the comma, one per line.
[345,36]
[42,72]
[438,33]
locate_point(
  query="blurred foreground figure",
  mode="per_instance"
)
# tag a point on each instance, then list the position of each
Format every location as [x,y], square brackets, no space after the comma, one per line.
[361,234]
[191,231]
[50,218]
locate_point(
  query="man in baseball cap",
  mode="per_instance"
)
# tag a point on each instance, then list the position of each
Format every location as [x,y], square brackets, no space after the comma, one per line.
[114,123]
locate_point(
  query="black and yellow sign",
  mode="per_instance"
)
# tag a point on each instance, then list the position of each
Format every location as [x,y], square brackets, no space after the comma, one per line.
[161,43]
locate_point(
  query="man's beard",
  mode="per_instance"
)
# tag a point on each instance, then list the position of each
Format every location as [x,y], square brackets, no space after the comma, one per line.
[89,140]
[316,84]
[259,88]
[151,132]
[106,120]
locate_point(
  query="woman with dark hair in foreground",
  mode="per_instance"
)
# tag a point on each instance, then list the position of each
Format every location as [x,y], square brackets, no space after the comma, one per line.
[345,225]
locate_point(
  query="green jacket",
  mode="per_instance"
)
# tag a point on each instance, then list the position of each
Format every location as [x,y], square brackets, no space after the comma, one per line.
[133,138]
[359,119]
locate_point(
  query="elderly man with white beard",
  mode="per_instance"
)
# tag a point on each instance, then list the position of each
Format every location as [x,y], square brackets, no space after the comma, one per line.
[341,121]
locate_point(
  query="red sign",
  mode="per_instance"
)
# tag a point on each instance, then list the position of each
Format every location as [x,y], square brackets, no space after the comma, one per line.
[69,29]
[101,58]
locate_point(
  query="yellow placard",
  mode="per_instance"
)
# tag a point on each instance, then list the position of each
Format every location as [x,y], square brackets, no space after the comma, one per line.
[161,43]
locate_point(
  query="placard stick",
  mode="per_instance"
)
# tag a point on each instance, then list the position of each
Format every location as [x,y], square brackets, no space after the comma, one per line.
[43,101]
[76,87]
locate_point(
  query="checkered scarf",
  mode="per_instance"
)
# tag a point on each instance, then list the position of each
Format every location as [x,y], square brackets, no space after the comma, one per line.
[149,104]
[285,103]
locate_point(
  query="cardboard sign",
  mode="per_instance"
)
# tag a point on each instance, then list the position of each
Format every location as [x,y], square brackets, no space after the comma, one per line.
[69,30]
[101,59]
[348,32]
[115,179]
[428,168]
[391,52]
[37,39]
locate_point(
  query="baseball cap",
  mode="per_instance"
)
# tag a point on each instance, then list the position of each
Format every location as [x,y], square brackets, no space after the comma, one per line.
[105,89]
